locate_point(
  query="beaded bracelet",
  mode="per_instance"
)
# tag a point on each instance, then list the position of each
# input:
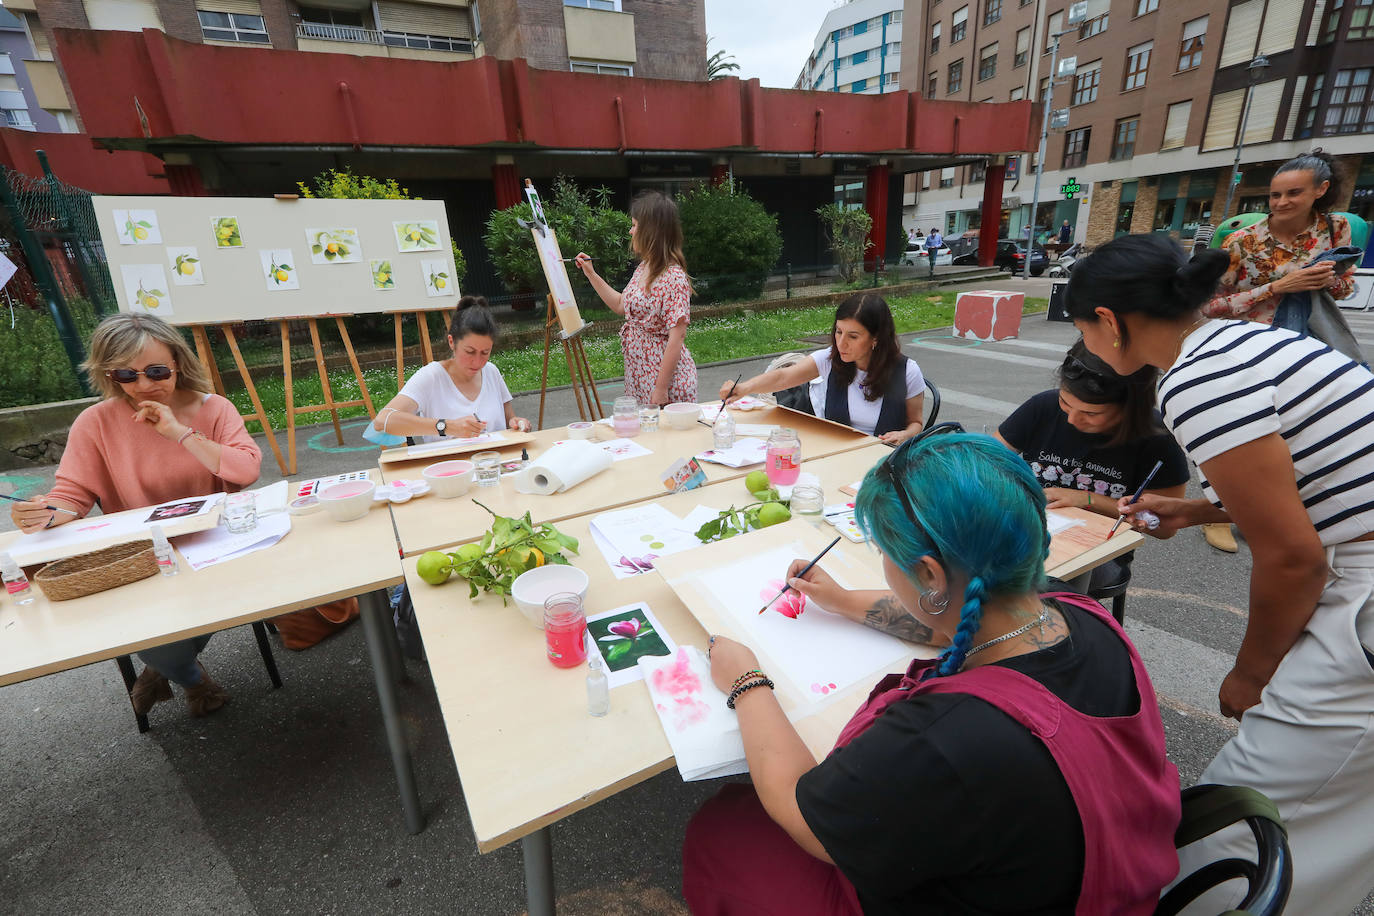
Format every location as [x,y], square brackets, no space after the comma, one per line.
[186,435]
[745,688]
[748,675]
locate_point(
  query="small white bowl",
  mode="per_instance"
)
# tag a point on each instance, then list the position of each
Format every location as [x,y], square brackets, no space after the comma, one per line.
[530,589]
[449,478]
[348,501]
[681,415]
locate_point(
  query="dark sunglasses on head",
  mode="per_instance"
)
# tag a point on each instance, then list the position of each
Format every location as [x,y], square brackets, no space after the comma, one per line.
[127,376]
[1106,385]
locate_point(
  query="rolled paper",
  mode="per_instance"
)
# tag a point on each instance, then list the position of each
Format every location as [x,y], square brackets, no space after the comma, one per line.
[580,430]
[562,467]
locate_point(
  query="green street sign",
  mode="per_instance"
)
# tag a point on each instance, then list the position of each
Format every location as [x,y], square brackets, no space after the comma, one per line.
[1236,179]
[1070,189]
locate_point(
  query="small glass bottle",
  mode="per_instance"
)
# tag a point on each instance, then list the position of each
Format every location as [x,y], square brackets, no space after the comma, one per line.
[723,431]
[16,583]
[162,550]
[598,688]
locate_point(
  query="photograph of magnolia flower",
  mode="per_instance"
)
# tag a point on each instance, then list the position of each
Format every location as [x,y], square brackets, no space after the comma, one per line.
[625,635]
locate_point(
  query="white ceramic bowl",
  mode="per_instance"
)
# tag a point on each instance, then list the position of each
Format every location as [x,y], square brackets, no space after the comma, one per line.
[449,478]
[530,589]
[348,501]
[681,415]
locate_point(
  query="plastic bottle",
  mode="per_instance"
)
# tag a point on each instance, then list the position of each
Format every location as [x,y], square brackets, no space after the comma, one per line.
[598,688]
[16,583]
[723,431]
[162,549]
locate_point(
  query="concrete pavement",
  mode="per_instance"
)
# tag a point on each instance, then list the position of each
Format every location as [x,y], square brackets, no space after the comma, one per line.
[284,801]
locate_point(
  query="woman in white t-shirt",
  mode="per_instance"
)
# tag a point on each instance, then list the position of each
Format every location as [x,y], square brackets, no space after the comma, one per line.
[863,380]
[460,397]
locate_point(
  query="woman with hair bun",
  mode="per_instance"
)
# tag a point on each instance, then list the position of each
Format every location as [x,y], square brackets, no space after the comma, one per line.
[462,396]
[1281,428]
[1274,257]
[973,783]
[656,304]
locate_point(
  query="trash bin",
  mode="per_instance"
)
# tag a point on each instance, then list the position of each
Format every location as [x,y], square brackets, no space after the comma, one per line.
[1058,310]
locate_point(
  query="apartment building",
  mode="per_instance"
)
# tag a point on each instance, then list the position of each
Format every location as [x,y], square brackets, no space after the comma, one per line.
[858,49]
[651,38]
[18,105]
[1154,103]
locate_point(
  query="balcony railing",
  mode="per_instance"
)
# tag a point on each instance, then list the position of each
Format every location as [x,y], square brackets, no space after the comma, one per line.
[327,32]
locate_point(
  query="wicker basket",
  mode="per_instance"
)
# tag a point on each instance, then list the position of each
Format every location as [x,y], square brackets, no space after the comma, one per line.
[97,571]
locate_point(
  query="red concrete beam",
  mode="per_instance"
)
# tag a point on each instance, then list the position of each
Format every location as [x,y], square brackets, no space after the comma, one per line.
[75,160]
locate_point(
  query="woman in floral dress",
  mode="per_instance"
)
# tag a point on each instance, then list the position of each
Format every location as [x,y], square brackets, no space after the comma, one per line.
[655,303]
[1271,258]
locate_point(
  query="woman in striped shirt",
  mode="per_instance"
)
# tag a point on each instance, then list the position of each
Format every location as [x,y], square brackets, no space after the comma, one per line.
[1282,429]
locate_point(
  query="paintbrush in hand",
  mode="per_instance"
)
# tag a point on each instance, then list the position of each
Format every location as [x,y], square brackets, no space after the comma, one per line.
[16,499]
[1136,498]
[806,569]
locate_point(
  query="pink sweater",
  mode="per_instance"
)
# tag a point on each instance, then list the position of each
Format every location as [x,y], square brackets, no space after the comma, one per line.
[120,464]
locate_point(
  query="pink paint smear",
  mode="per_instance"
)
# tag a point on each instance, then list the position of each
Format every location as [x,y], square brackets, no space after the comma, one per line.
[789,605]
[679,683]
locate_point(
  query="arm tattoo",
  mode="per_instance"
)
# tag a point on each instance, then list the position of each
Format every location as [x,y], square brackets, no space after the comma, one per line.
[888,616]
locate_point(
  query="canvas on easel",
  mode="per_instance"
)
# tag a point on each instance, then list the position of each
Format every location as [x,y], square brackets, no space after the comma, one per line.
[555,268]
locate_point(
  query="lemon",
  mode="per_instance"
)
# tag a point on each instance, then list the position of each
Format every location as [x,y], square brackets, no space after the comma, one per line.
[281,276]
[434,567]
[773,514]
[468,552]
[140,233]
[756,480]
[441,283]
[150,302]
[332,248]
[187,269]
[415,235]
[225,232]
[383,277]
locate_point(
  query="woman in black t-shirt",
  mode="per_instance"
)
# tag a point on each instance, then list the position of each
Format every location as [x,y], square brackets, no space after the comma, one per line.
[1094,440]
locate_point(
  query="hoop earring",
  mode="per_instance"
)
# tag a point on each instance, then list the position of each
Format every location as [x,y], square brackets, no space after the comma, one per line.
[942,603]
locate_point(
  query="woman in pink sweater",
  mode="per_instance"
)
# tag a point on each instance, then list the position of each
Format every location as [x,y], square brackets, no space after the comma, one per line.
[160,434]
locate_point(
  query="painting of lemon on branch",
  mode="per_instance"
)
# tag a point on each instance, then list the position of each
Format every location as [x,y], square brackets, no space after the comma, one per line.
[278,267]
[437,281]
[185,264]
[137,227]
[146,289]
[418,236]
[382,275]
[334,246]
[227,233]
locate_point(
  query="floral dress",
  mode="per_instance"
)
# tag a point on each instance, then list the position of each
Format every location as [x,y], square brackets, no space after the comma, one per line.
[644,335]
[1258,259]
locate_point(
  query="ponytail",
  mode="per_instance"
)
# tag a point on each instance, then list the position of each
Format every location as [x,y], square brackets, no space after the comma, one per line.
[1323,167]
[472,317]
[970,619]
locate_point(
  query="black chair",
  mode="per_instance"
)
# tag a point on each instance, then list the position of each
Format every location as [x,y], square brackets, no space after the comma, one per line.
[1117,593]
[1209,808]
[934,400]
[269,661]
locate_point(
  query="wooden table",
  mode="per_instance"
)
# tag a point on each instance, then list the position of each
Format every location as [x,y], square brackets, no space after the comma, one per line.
[320,560]
[430,523]
[505,751]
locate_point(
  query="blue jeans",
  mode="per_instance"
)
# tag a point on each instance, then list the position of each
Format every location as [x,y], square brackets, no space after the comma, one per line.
[176,661]
[1293,313]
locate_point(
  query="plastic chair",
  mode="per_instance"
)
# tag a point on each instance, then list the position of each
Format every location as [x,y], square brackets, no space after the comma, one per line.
[269,661]
[1209,808]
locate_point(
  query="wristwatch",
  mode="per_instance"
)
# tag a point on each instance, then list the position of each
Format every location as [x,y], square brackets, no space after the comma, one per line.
[441,426]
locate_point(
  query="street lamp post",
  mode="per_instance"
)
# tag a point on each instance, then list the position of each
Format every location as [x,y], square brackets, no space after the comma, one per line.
[1044,139]
[1256,72]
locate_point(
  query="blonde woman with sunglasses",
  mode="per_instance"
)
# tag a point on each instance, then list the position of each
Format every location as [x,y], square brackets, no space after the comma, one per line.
[159,434]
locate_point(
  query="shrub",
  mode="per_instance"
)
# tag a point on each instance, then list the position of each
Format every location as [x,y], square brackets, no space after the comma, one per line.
[582,220]
[731,242]
[847,230]
[36,368]
[344,185]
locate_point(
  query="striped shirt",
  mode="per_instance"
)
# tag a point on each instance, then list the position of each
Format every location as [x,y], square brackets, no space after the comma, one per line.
[1236,381]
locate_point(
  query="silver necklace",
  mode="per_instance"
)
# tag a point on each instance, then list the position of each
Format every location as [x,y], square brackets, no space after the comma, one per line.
[1041,620]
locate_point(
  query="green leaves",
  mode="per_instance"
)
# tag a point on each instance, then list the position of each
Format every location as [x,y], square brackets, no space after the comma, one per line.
[729,523]
[510,547]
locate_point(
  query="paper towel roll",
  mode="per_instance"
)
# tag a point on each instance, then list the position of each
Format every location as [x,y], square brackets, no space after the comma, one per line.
[562,467]
[580,430]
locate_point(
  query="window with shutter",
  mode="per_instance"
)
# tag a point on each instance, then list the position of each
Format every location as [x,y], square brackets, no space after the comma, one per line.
[419,19]
[243,7]
[123,15]
[1242,30]
[1314,28]
[1264,111]
[1281,21]
[1137,66]
[1295,107]
[935,38]
[1056,24]
[959,26]
[1190,46]
[1022,47]
[1085,83]
[1176,125]
[987,62]
[1223,120]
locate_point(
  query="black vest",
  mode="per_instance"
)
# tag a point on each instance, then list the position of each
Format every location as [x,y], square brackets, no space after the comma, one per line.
[892,413]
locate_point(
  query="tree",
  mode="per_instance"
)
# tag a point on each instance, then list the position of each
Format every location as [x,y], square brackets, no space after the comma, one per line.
[730,241]
[847,228]
[344,185]
[719,65]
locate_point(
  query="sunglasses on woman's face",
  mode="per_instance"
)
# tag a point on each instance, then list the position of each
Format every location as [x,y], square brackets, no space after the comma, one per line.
[128,376]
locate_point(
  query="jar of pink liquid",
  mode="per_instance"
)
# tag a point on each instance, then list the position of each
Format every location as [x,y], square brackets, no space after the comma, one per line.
[565,629]
[783,461]
[625,417]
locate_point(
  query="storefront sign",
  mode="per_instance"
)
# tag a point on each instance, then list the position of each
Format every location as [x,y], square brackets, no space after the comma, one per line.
[1070,189]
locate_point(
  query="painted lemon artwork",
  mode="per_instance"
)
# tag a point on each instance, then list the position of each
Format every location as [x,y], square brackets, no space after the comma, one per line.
[150,299]
[437,279]
[227,233]
[278,271]
[186,265]
[333,246]
[419,236]
[382,275]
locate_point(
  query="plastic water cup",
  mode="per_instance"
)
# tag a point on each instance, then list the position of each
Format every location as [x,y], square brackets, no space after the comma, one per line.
[648,418]
[240,512]
[488,468]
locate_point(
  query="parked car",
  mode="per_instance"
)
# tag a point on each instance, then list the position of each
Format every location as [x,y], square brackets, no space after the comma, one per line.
[1010,256]
[962,247]
[916,254]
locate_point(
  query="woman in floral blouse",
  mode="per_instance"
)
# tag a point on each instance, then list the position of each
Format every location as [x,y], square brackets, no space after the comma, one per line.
[658,368]
[1271,258]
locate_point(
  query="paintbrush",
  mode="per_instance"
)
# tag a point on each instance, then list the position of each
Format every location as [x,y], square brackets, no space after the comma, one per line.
[16,499]
[806,569]
[1136,498]
[732,391]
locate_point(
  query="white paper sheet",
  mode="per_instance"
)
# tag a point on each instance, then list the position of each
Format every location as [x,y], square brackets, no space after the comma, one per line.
[623,449]
[271,499]
[648,640]
[217,545]
[702,731]
[631,539]
[1057,523]
[451,441]
[745,452]
[71,537]
[818,652]
[760,430]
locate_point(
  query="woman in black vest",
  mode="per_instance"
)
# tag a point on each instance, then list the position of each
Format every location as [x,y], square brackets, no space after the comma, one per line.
[862,380]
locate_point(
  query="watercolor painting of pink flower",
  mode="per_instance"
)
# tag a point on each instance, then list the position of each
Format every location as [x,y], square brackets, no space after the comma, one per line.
[637,564]
[789,605]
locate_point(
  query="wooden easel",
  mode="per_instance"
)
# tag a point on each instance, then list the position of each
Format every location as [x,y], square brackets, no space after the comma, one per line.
[331,405]
[579,370]
[207,356]
[426,347]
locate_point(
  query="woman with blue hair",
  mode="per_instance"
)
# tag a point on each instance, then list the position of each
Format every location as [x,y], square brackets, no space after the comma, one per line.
[1022,770]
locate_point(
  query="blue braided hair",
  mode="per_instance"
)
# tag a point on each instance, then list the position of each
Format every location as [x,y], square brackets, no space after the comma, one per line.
[972,505]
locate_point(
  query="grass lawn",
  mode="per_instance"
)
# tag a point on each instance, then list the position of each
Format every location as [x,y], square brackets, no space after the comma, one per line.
[711,340]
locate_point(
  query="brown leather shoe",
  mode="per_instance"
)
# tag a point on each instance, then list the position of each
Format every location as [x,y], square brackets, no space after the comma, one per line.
[207,696]
[1220,537]
[150,689]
